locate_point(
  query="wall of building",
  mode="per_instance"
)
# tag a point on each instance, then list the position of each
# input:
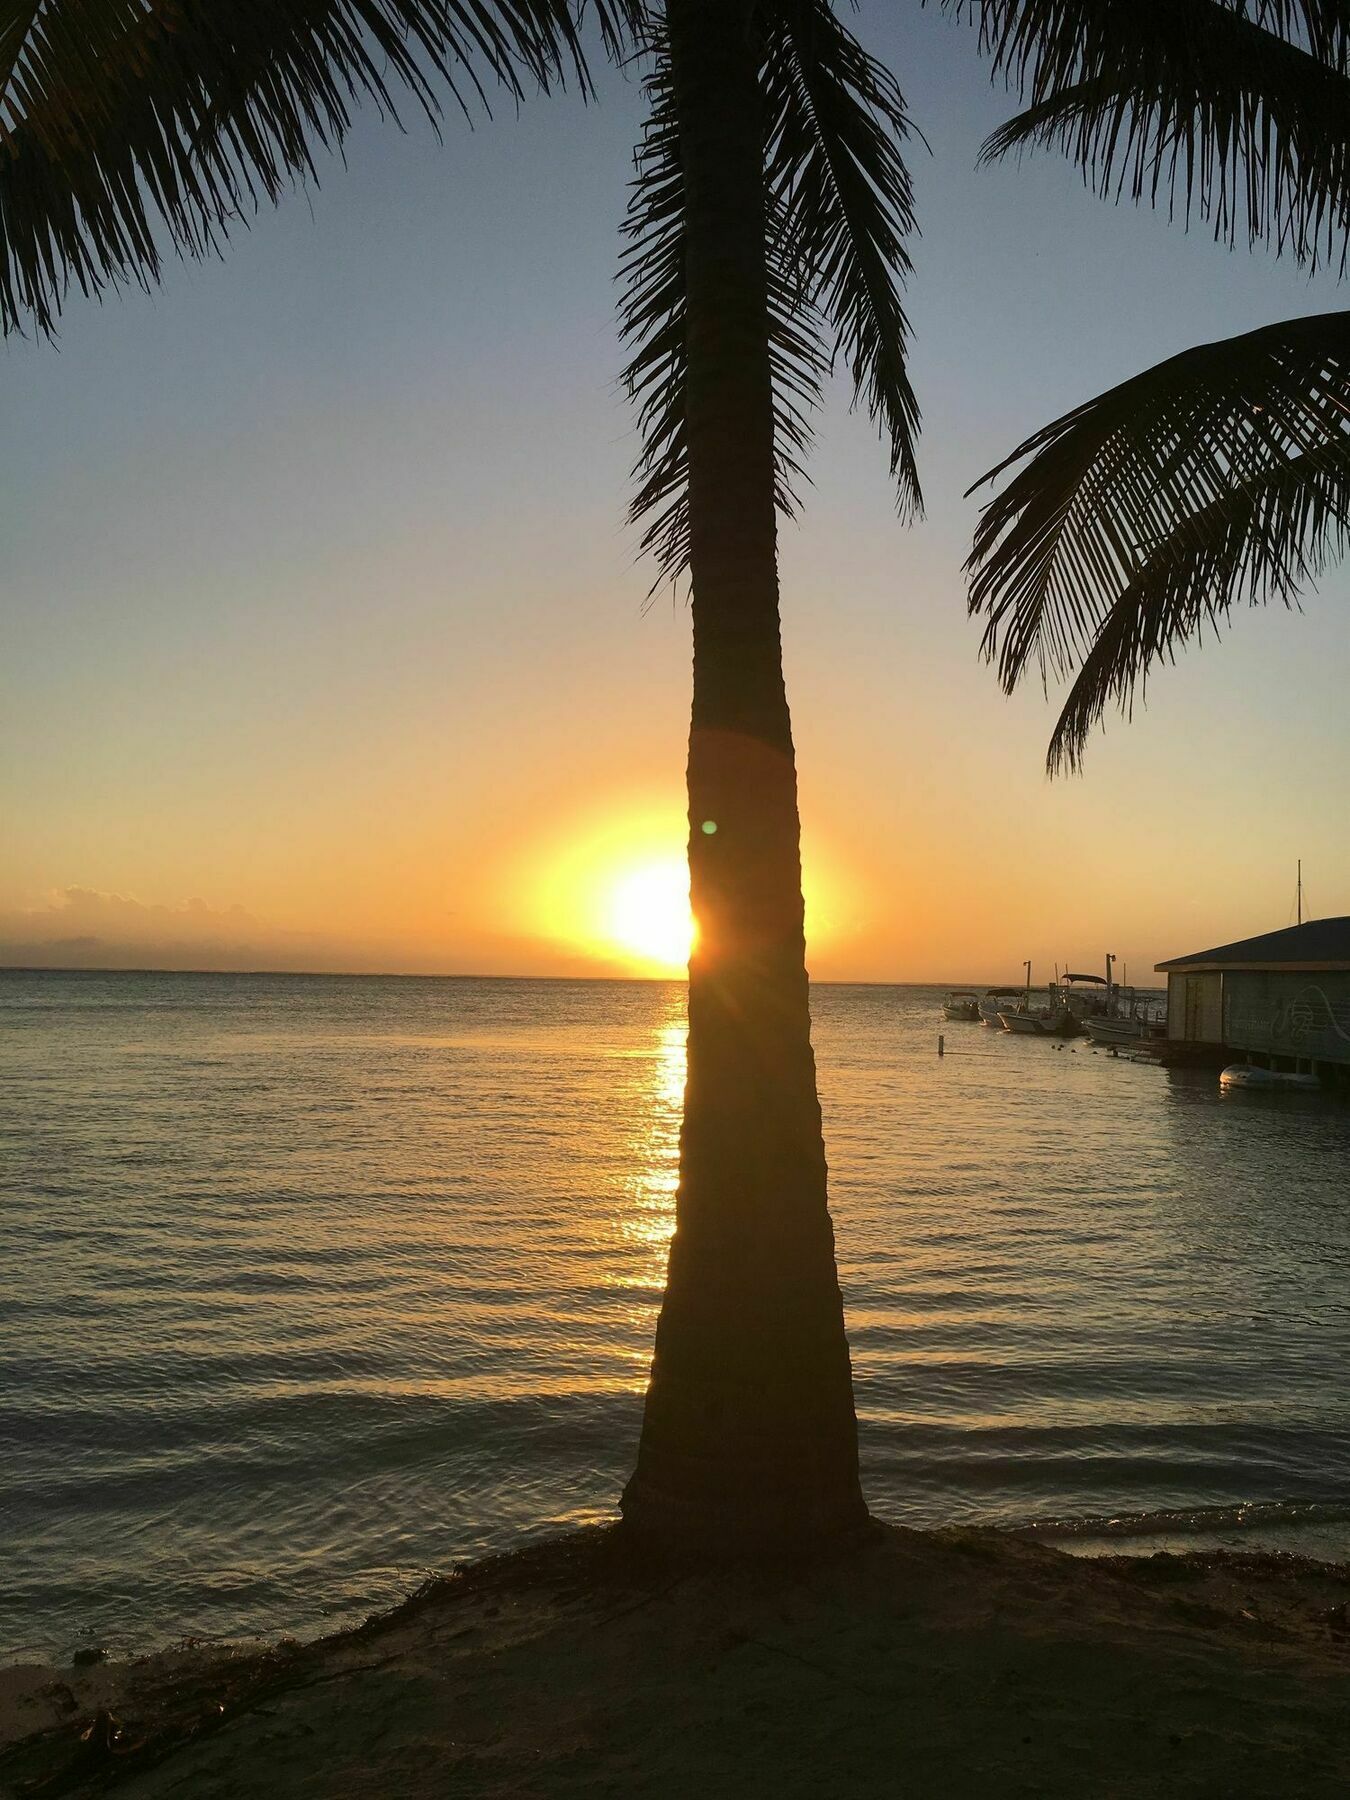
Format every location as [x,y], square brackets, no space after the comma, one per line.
[1288,1014]
[1195,1008]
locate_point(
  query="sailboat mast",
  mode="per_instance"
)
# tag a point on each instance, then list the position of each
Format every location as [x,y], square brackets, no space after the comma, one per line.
[1300,890]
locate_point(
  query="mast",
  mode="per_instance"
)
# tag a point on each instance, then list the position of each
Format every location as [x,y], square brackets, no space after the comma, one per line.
[1300,890]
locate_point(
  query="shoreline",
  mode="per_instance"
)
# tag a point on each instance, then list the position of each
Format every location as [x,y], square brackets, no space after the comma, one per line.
[979,1663]
[1301,1539]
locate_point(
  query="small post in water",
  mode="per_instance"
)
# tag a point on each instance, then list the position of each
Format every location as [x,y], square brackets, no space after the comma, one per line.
[941,1051]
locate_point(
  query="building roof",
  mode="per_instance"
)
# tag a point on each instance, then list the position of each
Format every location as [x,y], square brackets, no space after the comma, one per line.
[1321,944]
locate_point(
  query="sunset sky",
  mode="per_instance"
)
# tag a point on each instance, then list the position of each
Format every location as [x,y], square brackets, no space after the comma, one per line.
[324,642]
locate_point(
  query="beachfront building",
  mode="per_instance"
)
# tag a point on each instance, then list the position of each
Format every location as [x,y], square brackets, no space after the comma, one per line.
[1282,999]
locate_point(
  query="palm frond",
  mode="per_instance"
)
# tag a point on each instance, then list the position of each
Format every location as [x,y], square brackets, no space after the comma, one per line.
[843,205]
[652,320]
[1220,476]
[1239,109]
[838,207]
[1041,45]
[129,125]
[1303,506]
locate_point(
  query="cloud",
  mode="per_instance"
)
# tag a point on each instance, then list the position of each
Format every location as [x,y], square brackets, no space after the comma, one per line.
[81,928]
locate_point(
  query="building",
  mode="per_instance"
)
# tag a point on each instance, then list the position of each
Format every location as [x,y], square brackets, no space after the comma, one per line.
[1282,998]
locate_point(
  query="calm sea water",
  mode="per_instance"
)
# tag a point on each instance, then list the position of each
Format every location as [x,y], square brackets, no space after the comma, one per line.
[310,1285]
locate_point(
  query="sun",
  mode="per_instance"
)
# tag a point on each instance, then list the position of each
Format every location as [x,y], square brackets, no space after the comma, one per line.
[610,885]
[645,911]
[608,889]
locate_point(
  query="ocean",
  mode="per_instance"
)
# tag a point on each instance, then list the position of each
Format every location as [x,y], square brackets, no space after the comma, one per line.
[312,1285]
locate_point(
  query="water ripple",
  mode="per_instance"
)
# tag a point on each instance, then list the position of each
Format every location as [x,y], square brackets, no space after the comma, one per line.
[312,1284]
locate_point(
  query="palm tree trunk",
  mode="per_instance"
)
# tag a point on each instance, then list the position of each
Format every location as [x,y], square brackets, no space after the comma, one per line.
[749,1438]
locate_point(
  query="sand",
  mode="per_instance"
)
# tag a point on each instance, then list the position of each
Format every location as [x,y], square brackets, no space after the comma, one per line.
[944,1664]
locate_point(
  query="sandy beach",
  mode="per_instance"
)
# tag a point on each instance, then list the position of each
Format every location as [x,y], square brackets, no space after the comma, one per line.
[950,1663]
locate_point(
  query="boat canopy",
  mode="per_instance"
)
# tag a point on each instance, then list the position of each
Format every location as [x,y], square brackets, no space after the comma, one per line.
[1097,980]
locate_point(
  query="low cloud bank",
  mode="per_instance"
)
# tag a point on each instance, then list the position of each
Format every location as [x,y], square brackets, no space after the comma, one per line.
[80,928]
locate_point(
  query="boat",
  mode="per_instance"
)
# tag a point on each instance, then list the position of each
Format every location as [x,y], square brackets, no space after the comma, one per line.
[1001,998]
[1024,1021]
[1086,996]
[962,1004]
[1129,1028]
[1115,1016]
[1056,1021]
[1248,1075]
[1111,1033]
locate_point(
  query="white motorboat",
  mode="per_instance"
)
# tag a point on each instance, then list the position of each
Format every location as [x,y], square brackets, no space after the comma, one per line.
[998,1000]
[1112,1032]
[1247,1075]
[1057,1022]
[962,1004]
[1086,996]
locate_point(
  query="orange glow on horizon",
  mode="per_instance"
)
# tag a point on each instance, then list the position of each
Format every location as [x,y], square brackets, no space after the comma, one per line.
[616,888]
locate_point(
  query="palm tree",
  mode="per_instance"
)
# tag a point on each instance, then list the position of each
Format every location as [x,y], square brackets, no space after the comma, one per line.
[764,240]
[1222,475]
[770,200]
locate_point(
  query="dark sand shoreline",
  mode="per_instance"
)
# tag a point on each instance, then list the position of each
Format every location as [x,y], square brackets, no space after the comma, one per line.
[953,1663]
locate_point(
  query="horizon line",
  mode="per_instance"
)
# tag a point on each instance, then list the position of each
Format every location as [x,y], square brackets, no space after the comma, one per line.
[425,975]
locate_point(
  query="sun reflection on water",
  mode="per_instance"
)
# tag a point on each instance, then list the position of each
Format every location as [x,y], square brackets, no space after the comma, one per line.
[656,1151]
[672,1045]
[648,1221]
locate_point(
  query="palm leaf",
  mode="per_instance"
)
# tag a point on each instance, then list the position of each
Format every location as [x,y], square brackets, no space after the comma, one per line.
[652,320]
[126,125]
[1040,44]
[1304,506]
[1220,476]
[1238,108]
[837,207]
[843,202]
